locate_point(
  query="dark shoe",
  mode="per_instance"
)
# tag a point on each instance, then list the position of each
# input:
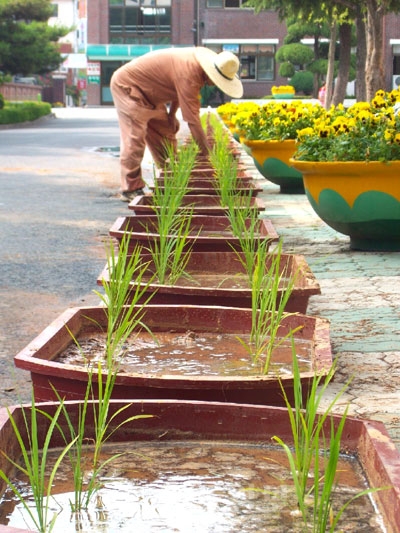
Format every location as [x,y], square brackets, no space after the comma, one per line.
[128,196]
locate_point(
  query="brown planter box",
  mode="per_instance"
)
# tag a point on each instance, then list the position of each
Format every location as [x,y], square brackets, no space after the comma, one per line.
[209,234]
[206,186]
[207,172]
[213,279]
[173,323]
[202,204]
[366,441]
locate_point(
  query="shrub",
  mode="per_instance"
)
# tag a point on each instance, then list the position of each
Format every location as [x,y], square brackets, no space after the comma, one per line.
[13,113]
[303,82]
[1,101]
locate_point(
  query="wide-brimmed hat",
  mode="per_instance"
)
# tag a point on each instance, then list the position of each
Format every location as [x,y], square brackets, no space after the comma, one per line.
[222,69]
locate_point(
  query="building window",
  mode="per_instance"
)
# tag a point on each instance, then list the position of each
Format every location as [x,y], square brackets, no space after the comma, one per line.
[257,61]
[225,3]
[140,21]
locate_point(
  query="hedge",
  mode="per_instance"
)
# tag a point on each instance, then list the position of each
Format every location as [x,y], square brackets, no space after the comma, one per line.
[13,113]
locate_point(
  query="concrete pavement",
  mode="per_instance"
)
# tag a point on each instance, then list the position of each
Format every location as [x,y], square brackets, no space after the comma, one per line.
[58,200]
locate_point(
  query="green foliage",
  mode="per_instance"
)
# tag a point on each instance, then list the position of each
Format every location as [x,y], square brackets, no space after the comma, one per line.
[319,66]
[270,294]
[171,251]
[295,53]
[33,465]
[361,132]
[303,82]
[1,101]
[313,461]
[286,69]
[23,112]
[28,44]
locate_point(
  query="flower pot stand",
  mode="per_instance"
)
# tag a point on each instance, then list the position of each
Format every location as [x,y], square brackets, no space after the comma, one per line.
[186,363]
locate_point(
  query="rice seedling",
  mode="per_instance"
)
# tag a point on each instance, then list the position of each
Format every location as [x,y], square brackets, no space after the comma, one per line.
[313,460]
[269,299]
[34,453]
[170,253]
[122,320]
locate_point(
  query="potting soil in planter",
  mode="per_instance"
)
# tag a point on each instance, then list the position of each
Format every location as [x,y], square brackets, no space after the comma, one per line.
[196,486]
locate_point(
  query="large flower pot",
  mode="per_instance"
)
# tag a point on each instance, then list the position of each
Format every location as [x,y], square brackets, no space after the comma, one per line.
[200,204]
[358,199]
[271,159]
[208,234]
[192,467]
[220,278]
[198,355]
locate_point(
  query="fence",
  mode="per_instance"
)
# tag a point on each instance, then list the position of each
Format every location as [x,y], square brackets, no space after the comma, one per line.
[20,91]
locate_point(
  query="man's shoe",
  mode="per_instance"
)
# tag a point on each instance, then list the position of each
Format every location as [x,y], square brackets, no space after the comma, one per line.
[128,196]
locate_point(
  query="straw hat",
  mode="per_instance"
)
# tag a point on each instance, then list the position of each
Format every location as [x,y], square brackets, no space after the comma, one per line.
[222,69]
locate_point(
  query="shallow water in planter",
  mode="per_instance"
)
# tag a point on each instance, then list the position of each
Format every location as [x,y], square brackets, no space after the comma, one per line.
[199,486]
[189,354]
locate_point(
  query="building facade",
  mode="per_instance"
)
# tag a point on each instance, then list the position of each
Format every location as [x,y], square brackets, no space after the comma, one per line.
[119,30]
[112,32]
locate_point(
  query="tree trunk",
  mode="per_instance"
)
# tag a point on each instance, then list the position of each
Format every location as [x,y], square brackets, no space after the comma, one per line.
[374,67]
[344,64]
[331,64]
[361,58]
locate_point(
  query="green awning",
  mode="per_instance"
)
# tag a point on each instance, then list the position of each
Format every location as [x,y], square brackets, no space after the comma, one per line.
[120,52]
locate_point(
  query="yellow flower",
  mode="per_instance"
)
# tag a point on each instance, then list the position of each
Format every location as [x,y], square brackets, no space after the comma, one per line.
[304,132]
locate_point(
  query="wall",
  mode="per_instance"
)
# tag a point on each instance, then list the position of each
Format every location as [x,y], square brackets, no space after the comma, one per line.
[20,91]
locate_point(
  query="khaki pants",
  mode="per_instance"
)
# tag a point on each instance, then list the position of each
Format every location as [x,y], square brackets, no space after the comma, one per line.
[140,124]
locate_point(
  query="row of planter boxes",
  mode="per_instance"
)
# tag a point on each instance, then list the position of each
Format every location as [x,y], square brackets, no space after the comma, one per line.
[210,299]
[201,404]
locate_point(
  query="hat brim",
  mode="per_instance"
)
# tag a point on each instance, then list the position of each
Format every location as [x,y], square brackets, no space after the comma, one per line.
[206,58]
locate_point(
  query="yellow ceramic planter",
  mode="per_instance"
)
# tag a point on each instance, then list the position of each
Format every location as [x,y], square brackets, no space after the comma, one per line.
[272,161]
[357,198]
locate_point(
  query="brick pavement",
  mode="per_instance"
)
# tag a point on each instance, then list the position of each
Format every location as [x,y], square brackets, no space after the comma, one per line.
[360,295]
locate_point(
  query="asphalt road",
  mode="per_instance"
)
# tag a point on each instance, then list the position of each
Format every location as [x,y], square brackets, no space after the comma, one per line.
[59,183]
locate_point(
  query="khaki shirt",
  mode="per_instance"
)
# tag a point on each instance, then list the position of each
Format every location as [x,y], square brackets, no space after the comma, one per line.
[165,76]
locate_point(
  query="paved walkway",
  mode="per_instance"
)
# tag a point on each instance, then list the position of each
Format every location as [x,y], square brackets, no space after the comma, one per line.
[361,298]
[360,290]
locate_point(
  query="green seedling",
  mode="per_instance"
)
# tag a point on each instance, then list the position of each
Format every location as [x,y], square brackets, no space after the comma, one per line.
[170,252]
[315,479]
[269,299]
[33,466]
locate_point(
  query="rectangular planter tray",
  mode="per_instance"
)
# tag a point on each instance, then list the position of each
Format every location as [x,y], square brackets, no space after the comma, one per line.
[206,172]
[202,204]
[251,188]
[210,234]
[220,279]
[366,441]
[209,377]
[191,423]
